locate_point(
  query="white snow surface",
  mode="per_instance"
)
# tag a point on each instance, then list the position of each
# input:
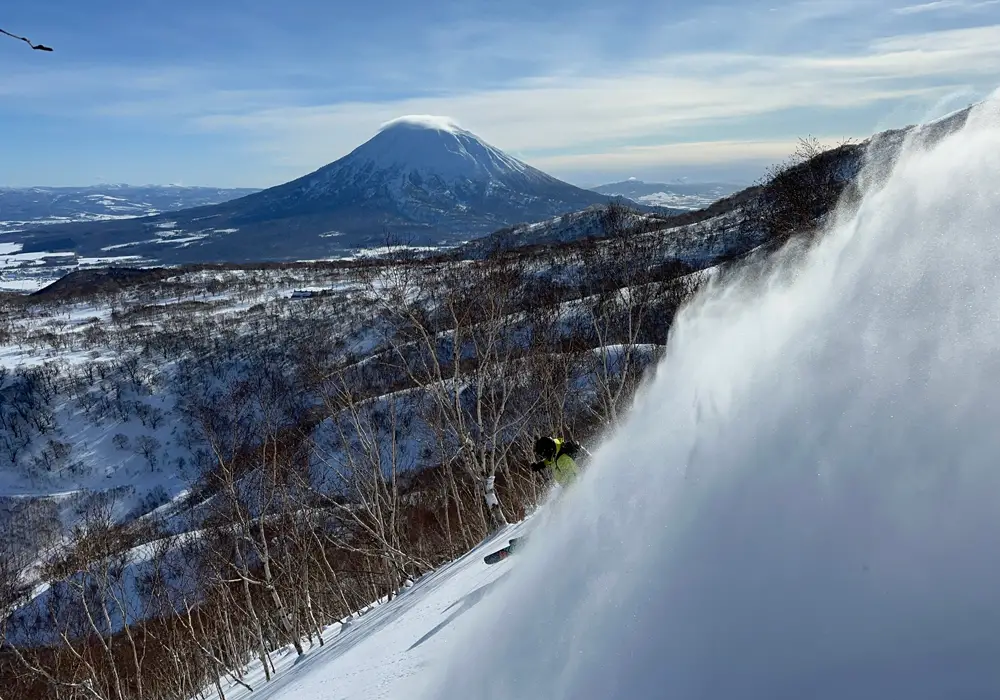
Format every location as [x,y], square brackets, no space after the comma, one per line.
[31,284]
[388,651]
[14,259]
[802,504]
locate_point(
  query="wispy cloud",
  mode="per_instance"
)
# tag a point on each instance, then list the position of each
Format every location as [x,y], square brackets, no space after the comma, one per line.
[553,119]
[946,5]
[565,86]
[673,154]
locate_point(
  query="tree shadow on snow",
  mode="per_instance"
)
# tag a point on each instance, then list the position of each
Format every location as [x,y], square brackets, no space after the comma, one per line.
[466,603]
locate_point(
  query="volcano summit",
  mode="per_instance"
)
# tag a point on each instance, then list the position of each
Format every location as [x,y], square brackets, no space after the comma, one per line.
[421,178]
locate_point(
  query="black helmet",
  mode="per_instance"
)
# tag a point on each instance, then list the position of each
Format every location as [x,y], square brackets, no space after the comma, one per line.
[545,448]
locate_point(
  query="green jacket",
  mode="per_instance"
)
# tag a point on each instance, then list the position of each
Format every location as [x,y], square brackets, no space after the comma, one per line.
[564,468]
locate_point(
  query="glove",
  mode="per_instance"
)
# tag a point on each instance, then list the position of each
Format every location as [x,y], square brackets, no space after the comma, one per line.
[537,466]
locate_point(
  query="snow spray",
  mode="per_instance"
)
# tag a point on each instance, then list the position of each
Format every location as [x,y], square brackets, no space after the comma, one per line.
[804,502]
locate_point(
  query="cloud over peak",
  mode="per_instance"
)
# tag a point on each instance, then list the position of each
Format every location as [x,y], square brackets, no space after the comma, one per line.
[423,121]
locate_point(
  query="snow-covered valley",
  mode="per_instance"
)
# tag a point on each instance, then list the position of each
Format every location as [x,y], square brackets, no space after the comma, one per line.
[32,207]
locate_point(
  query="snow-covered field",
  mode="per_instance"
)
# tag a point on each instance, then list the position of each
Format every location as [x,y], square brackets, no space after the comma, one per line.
[32,271]
[677,201]
[679,195]
[27,284]
[12,257]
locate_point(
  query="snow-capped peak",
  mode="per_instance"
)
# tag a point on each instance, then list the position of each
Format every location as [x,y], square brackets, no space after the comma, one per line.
[424,121]
[435,146]
[422,173]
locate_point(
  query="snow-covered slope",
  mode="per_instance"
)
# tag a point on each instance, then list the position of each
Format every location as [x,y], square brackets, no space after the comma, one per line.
[393,649]
[847,519]
[438,148]
[838,544]
[422,179]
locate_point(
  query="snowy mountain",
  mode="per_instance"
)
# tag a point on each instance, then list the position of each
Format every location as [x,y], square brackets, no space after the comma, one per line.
[25,206]
[424,175]
[678,195]
[422,179]
[233,459]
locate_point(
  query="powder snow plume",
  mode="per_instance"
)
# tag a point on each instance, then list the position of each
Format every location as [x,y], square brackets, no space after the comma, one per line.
[805,500]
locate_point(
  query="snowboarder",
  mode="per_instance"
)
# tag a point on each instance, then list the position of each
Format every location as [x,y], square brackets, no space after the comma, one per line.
[559,455]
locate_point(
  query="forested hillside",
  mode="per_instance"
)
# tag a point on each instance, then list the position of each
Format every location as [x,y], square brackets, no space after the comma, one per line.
[205,464]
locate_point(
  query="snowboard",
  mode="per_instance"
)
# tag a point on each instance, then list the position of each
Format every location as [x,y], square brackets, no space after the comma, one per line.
[502,554]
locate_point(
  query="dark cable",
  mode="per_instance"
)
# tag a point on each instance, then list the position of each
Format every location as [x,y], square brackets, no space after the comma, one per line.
[36,47]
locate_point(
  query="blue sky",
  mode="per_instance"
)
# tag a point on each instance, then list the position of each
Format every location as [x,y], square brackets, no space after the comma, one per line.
[254,93]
